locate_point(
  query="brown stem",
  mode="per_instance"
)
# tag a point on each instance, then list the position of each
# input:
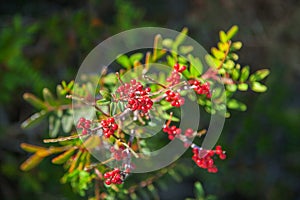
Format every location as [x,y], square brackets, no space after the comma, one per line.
[97,189]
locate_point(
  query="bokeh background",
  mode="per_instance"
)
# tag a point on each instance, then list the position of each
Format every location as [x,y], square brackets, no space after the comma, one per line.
[44,42]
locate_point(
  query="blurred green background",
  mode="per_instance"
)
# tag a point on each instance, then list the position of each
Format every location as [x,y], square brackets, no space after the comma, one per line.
[44,42]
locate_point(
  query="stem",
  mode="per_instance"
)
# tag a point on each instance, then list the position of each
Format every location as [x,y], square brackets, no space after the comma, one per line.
[83,100]
[97,189]
[226,54]
[119,78]
[154,81]
[94,165]
[61,139]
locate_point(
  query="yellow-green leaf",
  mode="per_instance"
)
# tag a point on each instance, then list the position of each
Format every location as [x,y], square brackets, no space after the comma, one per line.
[62,158]
[259,75]
[124,61]
[186,49]
[245,73]
[31,162]
[232,32]
[223,36]
[167,42]
[217,53]
[236,105]
[243,87]
[237,45]
[258,87]
[136,57]
[31,148]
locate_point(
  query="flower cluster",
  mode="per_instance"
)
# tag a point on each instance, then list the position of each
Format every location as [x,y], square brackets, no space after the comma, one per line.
[203,158]
[138,97]
[85,125]
[174,78]
[175,98]
[172,131]
[201,88]
[118,153]
[189,133]
[115,176]
[109,126]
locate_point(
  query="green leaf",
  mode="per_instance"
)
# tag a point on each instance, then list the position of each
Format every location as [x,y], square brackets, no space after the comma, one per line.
[233,56]
[196,66]
[229,64]
[136,57]
[67,123]
[259,75]
[223,36]
[235,74]
[199,192]
[48,97]
[175,175]
[110,79]
[153,191]
[231,87]
[54,126]
[243,86]
[34,119]
[167,117]
[186,49]
[232,32]
[236,45]
[258,87]
[102,102]
[105,94]
[133,196]
[167,42]
[211,197]
[236,105]
[211,61]
[171,61]
[60,92]
[124,61]
[245,73]
[34,101]
[113,108]
[180,38]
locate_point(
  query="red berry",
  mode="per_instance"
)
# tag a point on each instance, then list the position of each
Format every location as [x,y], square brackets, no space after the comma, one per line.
[108,182]
[222,156]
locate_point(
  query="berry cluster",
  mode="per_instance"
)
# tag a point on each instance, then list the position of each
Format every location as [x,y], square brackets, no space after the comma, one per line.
[127,88]
[201,88]
[115,176]
[203,158]
[109,126]
[174,78]
[138,97]
[85,125]
[172,131]
[179,68]
[175,98]
[189,133]
[119,153]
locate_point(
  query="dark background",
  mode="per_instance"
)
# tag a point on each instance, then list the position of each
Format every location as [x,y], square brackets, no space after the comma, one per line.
[44,42]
